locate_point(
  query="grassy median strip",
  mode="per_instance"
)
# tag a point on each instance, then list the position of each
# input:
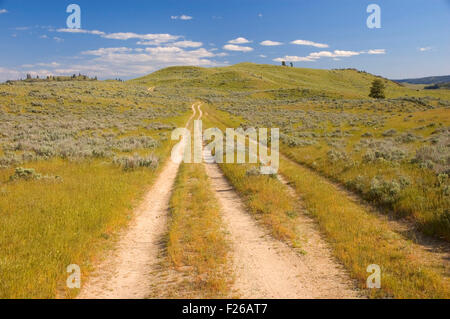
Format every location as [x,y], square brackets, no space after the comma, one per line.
[266,199]
[197,246]
[360,238]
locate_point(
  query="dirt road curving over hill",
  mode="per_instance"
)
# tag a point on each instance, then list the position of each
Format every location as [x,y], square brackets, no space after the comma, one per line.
[125,272]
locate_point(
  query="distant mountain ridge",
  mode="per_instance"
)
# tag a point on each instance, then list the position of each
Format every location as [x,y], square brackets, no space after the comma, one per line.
[426,80]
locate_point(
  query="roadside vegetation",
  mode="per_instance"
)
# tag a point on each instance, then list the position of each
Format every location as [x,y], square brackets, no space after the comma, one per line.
[360,238]
[197,249]
[358,235]
[393,153]
[75,157]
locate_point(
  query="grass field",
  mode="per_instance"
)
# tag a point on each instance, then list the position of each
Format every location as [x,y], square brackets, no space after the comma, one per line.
[90,150]
[76,157]
[358,235]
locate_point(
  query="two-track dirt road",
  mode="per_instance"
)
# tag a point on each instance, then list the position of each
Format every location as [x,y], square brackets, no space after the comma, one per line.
[267,268]
[263,267]
[125,272]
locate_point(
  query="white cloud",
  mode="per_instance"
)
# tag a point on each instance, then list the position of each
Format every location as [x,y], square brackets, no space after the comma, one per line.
[293,58]
[187,44]
[96,32]
[335,55]
[239,40]
[106,51]
[3,11]
[233,47]
[58,39]
[341,53]
[9,74]
[181,17]
[376,51]
[270,43]
[262,56]
[425,49]
[146,39]
[120,62]
[43,36]
[310,43]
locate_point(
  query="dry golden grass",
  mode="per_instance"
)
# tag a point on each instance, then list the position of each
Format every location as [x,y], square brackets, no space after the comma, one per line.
[47,225]
[360,238]
[197,246]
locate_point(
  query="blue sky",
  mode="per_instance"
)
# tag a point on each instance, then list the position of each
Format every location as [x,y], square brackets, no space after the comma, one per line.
[131,38]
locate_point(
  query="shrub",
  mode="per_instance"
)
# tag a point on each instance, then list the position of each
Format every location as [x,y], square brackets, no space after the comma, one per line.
[386,192]
[135,161]
[334,156]
[24,173]
[30,174]
[390,132]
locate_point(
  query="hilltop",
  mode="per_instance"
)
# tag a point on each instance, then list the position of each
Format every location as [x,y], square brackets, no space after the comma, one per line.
[270,81]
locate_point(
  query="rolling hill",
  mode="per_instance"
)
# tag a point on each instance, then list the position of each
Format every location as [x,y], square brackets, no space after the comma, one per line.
[270,80]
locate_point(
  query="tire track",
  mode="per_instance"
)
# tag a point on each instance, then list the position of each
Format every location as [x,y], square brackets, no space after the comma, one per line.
[125,273]
[267,268]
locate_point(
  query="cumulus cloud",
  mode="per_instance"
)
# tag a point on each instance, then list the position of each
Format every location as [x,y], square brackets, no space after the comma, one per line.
[3,11]
[335,55]
[122,62]
[145,39]
[233,47]
[181,17]
[187,44]
[425,49]
[239,40]
[270,43]
[310,43]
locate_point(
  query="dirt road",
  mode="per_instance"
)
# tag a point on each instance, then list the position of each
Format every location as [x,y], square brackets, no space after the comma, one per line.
[267,268]
[125,272]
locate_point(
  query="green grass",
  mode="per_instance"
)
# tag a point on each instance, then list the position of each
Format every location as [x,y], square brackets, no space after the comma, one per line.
[245,77]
